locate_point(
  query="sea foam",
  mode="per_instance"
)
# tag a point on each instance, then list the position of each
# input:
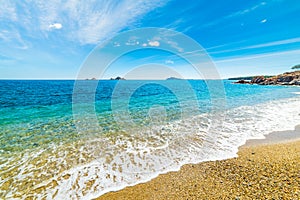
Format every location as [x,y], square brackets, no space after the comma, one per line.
[90,168]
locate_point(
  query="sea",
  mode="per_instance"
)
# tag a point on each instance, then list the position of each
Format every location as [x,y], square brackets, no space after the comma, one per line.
[67,139]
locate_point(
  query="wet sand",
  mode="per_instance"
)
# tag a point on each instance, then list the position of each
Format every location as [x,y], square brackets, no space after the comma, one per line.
[264,169]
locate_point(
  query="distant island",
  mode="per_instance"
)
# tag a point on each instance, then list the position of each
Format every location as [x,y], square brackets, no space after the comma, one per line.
[118,78]
[92,79]
[173,78]
[288,78]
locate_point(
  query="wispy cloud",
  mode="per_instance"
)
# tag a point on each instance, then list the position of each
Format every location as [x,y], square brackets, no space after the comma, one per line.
[95,22]
[87,22]
[256,56]
[169,62]
[248,10]
[235,14]
[267,63]
[8,10]
[13,37]
[225,45]
[228,50]
[175,46]
[263,45]
[4,57]
[275,43]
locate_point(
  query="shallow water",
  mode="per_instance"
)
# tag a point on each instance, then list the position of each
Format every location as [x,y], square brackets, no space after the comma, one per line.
[51,148]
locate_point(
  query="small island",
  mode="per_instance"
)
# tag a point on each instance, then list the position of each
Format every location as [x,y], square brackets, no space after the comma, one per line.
[173,78]
[92,79]
[117,78]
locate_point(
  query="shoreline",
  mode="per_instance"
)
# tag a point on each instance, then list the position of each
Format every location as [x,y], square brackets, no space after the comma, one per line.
[228,178]
[276,137]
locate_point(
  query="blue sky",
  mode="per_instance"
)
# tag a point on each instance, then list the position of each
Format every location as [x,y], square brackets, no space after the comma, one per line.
[51,39]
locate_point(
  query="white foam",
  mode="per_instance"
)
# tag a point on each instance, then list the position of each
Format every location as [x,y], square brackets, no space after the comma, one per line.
[132,159]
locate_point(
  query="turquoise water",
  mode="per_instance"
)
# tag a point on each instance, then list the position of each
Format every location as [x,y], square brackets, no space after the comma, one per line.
[125,132]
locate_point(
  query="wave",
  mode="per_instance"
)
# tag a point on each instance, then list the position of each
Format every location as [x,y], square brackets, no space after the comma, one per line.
[89,168]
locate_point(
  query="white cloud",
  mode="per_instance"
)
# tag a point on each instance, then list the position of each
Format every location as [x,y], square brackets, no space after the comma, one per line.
[169,62]
[154,43]
[263,21]
[117,44]
[55,26]
[132,42]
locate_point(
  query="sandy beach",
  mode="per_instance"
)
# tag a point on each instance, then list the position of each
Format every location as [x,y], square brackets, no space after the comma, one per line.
[264,169]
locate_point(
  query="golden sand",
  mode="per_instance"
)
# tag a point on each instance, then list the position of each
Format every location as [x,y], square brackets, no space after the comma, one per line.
[260,172]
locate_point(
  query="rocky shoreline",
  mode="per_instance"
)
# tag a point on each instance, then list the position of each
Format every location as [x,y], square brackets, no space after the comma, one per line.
[288,78]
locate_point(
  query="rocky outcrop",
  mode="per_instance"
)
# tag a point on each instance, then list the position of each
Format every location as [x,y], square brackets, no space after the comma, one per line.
[258,79]
[242,82]
[288,78]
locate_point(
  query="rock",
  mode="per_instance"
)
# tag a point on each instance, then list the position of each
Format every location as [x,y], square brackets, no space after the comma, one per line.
[285,79]
[295,82]
[284,83]
[242,82]
[258,79]
[272,82]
